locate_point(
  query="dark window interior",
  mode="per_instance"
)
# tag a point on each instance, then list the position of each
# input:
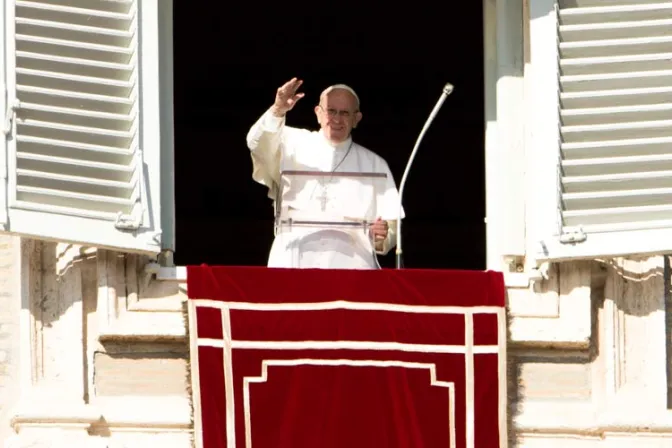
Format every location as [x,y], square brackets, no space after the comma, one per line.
[229,60]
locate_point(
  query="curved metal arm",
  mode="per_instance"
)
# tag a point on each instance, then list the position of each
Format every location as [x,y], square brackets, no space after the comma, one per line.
[447,90]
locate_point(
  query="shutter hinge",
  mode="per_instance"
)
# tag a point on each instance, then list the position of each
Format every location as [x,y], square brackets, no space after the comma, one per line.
[573,236]
[128,222]
[10,115]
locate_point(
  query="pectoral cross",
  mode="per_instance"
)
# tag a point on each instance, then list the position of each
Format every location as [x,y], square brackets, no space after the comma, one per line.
[323,199]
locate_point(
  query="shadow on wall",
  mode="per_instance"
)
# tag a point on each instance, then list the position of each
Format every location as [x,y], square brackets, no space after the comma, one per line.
[542,8]
[667,272]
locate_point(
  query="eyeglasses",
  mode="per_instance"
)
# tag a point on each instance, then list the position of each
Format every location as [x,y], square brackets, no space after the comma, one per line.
[341,113]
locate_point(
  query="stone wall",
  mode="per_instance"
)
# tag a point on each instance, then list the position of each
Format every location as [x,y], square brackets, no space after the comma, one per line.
[613,392]
[9,329]
[104,351]
[106,354]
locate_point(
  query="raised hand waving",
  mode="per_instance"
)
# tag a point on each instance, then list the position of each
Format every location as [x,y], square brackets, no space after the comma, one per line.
[287,97]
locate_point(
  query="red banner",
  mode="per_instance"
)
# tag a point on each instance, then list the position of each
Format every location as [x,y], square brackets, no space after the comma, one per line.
[298,358]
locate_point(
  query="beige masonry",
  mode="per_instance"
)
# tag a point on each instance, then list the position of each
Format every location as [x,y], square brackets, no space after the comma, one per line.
[102,353]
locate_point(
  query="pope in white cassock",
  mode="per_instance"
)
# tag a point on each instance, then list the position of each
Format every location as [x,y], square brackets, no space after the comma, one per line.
[277,148]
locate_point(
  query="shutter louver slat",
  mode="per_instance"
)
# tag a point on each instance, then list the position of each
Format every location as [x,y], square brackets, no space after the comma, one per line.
[74,150]
[615,114]
[624,182]
[605,217]
[595,31]
[71,65]
[76,129]
[73,100]
[87,11]
[592,84]
[74,83]
[101,188]
[72,32]
[86,118]
[583,201]
[590,3]
[616,148]
[615,64]
[81,50]
[96,170]
[66,200]
[616,166]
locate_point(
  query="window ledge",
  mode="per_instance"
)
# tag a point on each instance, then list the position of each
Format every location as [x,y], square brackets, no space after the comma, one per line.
[171,274]
[559,319]
[179,274]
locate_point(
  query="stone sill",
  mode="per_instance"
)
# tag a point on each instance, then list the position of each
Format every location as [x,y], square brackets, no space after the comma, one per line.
[179,274]
[149,413]
[172,274]
[582,418]
[535,321]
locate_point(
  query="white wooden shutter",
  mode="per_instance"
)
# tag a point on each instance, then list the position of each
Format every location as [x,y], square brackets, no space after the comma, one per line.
[84,148]
[615,133]
[5,125]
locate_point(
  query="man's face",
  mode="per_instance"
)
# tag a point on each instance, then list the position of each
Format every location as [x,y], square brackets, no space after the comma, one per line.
[338,114]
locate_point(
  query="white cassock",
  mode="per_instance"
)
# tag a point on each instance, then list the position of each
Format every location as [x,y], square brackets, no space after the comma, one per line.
[276,148]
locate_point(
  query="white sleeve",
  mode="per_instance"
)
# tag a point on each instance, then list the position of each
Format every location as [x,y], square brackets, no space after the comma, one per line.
[264,140]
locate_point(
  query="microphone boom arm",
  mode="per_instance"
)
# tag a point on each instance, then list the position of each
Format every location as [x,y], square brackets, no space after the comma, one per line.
[447,90]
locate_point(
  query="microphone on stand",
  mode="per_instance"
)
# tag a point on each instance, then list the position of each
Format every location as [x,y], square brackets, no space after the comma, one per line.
[447,90]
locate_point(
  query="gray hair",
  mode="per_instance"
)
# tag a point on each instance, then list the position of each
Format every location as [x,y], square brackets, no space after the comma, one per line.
[330,89]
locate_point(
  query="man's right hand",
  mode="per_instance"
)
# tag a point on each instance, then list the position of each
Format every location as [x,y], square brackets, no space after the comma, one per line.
[286,97]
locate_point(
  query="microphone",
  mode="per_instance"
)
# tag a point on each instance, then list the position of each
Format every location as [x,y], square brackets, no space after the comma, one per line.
[447,90]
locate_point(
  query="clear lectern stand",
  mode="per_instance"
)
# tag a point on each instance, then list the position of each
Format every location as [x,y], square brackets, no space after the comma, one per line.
[322,219]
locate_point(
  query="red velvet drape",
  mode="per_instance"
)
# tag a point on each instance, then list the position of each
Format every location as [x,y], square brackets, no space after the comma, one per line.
[347,358]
